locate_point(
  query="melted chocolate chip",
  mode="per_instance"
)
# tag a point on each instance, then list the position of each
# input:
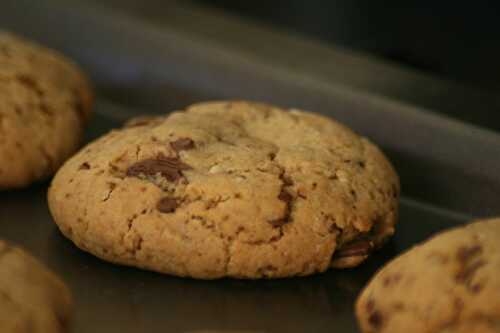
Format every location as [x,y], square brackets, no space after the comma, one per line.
[355,248]
[278,222]
[287,198]
[470,261]
[398,306]
[30,83]
[370,305]
[475,288]
[169,167]
[376,320]
[45,109]
[465,253]
[84,166]
[27,81]
[287,181]
[182,144]
[167,205]
[391,279]
[466,274]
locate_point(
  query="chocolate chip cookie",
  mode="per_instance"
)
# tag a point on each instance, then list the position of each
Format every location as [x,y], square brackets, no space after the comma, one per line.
[44,103]
[450,283]
[228,189]
[32,299]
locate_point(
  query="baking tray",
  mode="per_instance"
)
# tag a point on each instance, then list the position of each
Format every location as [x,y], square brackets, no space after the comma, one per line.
[449,172]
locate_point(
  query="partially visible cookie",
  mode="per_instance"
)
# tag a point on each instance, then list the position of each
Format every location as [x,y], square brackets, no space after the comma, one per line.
[32,299]
[228,189]
[448,284]
[45,101]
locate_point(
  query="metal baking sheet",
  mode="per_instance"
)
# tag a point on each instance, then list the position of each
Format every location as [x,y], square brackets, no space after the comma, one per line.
[449,172]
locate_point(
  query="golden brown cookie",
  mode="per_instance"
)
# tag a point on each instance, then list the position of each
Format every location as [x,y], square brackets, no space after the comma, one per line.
[44,103]
[233,189]
[448,284]
[32,299]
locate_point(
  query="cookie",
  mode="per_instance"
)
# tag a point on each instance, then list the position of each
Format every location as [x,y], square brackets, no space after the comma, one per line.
[228,189]
[44,103]
[450,283]
[32,299]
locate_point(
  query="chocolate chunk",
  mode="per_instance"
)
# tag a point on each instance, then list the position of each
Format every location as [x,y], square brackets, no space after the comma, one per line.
[398,306]
[466,274]
[26,81]
[465,253]
[45,109]
[355,248]
[370,305]
[182,144]
[376,320]
[287,181]
[84,166]
[470,262]
[167,205]
[278,222]
[30,83]
[391,279]
[169,167]
[475,288]
[285,196]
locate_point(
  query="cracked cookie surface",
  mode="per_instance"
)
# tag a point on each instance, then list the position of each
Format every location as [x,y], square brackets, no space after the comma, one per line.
[44,103]
[449,283]
[228,189]
[32,299]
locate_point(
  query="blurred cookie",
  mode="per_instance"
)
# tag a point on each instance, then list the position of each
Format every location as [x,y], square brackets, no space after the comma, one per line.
[450,283]
[32,299]
[44,103]
[232,189]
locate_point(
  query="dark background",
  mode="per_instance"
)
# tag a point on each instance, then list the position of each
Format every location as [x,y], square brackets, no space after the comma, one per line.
[457,40]
[438,56]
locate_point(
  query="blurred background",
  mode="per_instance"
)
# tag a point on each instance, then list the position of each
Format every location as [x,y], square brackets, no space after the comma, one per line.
[439,55]
[459,41]
[456,40]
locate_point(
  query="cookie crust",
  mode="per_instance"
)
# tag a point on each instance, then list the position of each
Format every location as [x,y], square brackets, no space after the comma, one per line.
[228,189]
[32,299]
[45,101]
[450,283]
